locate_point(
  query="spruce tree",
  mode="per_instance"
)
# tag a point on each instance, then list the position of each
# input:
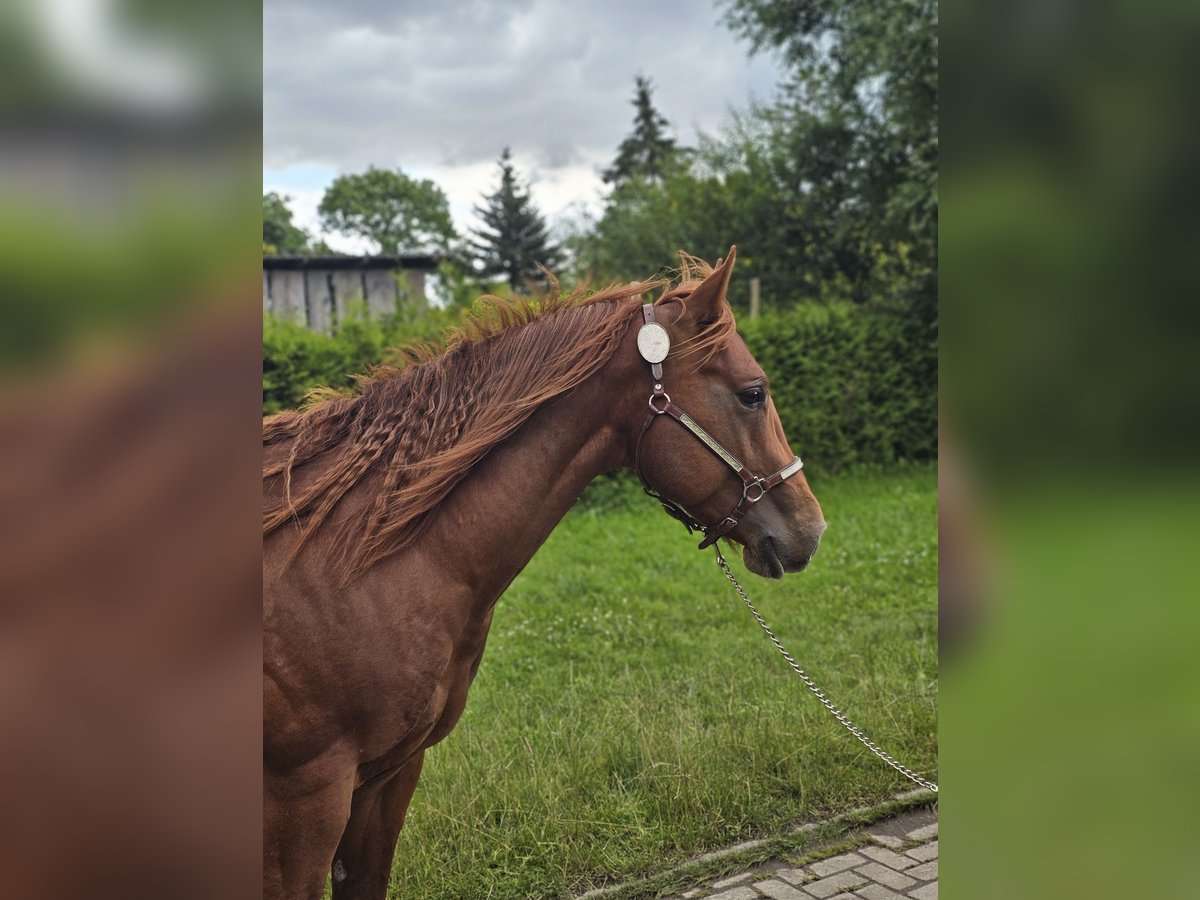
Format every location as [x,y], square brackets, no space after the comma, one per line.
[514,239]
[648,151]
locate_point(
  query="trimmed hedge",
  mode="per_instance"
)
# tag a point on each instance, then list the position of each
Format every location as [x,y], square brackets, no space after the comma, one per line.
[296,360]
[854,386]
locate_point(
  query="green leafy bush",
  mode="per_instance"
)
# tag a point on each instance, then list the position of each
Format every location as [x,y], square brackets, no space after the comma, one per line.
[296,360]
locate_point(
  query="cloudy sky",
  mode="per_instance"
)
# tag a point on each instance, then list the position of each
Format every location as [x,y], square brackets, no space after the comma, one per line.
[439,88]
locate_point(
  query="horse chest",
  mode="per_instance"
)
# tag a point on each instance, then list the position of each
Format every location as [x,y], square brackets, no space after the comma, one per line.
[450,710]
[455,683]
[441,704]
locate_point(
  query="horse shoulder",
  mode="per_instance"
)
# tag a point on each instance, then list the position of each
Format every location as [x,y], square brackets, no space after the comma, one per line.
[386,661]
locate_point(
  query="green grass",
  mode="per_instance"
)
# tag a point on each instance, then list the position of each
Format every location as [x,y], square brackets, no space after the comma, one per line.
[629,714]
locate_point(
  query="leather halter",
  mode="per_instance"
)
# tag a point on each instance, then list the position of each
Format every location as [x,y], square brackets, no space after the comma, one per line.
[754,487]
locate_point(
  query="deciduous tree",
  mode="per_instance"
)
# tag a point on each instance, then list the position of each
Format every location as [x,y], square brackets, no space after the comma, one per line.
[396,212]
[856,135]
[280,235]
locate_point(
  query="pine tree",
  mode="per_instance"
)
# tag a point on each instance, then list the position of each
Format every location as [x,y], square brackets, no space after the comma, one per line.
[514,239]
[648,151]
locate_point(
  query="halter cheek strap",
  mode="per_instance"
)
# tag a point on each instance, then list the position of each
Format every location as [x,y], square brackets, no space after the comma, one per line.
[754,487]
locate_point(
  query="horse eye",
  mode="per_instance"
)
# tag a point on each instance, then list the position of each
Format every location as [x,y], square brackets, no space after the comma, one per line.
[753,397]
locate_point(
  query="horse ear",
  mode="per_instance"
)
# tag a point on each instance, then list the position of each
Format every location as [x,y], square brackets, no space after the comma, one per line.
[704,304]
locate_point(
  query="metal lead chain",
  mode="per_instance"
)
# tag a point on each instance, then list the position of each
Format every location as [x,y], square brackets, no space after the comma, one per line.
[817,692]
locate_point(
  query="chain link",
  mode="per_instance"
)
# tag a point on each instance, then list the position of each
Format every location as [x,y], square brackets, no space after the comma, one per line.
[817,692]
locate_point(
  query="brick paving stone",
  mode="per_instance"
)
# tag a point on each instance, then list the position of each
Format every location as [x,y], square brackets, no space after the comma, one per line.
[884,875]
[889,868]
[730,881]
[889,859]
[878,892]
[738,893]
[927,872]
[795,876]
[925,852]
[836,864]
[780,890]
[924,834]
[827,887]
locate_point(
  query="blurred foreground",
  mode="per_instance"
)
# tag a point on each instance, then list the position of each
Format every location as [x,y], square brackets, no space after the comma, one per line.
[129,420]
[1069,721]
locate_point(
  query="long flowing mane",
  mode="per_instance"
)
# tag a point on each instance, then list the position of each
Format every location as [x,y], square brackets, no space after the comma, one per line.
[416,431]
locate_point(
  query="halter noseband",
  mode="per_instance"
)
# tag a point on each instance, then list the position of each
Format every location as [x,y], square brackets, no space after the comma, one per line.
[654,345]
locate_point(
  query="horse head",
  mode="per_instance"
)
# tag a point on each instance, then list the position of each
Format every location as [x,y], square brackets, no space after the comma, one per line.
[725,418]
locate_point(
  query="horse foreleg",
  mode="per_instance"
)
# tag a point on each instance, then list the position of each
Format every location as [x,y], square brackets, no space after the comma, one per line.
[304,814]
[363,862]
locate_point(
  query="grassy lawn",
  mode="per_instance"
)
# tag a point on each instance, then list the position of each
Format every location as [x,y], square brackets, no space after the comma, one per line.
[629,713]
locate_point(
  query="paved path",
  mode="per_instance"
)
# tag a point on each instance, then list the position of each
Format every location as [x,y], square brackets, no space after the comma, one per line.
[900,862]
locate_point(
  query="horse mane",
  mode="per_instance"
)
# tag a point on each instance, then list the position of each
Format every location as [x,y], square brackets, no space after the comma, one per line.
[417,429]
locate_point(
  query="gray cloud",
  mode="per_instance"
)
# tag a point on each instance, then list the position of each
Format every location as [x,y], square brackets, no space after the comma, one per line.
[421,84]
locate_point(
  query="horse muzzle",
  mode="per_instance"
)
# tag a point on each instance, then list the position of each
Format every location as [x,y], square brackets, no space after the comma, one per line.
[772,557]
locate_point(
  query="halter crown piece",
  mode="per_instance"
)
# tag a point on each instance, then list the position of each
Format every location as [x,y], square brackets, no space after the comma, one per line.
[654,344]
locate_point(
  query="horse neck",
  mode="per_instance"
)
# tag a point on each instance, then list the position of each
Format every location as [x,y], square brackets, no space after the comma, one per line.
[493,523]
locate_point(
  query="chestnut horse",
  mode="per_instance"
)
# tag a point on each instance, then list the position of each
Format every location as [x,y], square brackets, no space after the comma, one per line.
[395,519]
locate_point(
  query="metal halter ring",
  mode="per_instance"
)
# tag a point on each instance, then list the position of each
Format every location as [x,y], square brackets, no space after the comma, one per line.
[756,483]
[665,397]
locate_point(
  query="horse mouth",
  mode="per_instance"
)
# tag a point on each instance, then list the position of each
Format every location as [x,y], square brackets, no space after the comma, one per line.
[765,560]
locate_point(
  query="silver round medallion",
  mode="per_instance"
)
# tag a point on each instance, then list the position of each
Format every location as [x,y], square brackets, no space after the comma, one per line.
[653,342]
